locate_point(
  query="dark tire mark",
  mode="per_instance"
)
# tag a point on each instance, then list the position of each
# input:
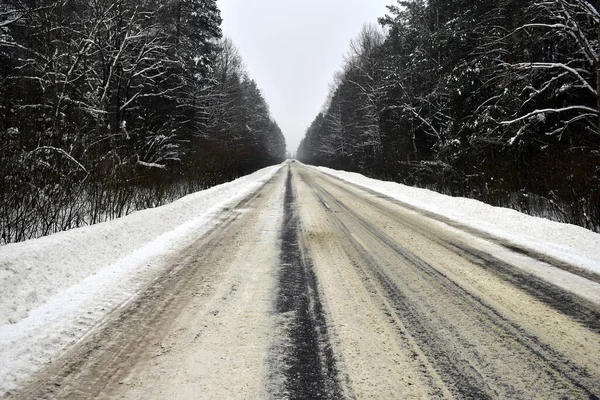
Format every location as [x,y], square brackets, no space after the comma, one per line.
[460,377]
[586,313]
[569,304]
[584,273]
[456,371]
[590,275]
[309,370]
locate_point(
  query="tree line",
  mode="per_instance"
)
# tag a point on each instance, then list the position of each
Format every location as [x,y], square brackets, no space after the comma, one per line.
[494,100]
[111,106]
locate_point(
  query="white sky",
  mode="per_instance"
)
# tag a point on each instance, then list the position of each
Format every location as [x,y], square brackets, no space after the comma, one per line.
[292,48]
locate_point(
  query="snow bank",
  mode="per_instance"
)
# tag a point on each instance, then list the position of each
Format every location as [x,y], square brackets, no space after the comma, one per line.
[568,243]
[32,272]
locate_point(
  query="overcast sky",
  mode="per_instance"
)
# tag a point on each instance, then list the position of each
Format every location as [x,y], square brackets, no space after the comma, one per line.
[292,48]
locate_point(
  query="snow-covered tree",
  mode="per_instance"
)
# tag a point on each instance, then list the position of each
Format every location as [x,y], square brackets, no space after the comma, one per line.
[108,106]
[492,99]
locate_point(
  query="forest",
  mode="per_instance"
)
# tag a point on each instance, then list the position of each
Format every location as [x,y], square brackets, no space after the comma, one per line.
[107,107]
[493,100]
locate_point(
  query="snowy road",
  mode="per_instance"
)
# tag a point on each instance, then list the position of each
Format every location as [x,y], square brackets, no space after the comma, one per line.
[312,287]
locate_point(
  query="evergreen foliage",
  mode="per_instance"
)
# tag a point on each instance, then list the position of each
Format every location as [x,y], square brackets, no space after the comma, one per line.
[111,106]
[495,100]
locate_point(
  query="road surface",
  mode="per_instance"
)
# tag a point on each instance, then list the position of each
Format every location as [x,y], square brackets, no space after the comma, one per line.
[315,288]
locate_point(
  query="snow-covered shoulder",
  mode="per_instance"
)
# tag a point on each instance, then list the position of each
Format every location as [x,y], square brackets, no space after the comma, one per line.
[571,244]
[33,271]
[48,284]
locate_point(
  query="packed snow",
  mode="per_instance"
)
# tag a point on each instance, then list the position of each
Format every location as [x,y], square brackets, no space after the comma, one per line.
[56,288]
[571,244]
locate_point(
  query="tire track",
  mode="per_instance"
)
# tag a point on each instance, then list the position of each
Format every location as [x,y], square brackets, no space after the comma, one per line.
[582,311]
[96,364]
[545,258]
[309,369]
[569,304]
[456,362]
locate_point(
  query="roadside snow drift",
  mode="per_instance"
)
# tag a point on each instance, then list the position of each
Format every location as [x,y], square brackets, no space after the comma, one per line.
[33,271]
[572,244]
[53,290]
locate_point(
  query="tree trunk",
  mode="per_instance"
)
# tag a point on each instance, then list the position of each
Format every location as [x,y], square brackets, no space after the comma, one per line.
[598,75]
[178,33]
[510,26]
